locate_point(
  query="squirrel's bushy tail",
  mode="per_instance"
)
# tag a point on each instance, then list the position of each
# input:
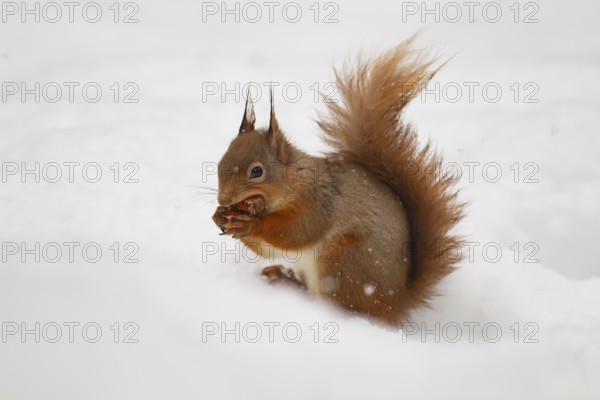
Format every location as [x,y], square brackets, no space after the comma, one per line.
[365,127]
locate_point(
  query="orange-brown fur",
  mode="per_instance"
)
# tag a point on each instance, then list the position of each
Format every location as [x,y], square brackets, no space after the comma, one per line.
[375,209]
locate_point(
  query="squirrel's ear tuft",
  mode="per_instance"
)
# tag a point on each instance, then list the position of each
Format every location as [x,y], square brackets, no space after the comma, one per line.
[249,117]
[274,135]
[273,125]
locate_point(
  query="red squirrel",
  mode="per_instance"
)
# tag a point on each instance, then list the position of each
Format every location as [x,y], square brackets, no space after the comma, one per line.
[373,218]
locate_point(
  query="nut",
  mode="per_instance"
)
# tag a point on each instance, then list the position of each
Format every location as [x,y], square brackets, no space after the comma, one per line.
[253,205]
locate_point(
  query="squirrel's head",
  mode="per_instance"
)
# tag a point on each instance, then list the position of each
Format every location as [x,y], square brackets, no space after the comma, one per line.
[255,163]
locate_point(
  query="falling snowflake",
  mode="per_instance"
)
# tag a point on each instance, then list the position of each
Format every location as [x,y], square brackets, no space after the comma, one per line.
[369,289]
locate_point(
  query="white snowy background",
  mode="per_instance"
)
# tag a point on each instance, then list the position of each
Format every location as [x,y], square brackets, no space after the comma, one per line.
[548,309]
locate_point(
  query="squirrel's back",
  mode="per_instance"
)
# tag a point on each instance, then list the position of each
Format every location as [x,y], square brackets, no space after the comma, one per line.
[366,129]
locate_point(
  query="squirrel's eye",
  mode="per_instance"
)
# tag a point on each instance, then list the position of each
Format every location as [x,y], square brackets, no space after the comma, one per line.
[256,172]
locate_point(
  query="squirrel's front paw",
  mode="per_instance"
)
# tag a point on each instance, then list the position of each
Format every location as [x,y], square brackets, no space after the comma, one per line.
[220,217]
[238,225]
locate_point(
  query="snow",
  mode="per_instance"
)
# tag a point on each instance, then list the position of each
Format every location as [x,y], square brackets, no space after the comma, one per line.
[527,329]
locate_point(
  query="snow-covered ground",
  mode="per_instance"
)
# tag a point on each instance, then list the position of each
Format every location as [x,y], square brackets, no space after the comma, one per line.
[528,317]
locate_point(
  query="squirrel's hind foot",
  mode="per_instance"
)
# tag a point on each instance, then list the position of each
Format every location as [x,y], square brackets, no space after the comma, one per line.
[277,274]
